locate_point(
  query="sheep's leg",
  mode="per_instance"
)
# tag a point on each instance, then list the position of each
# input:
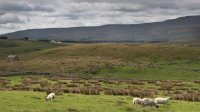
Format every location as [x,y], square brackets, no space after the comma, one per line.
[143,105]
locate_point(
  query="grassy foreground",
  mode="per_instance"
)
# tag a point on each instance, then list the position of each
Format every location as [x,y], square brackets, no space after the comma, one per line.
[23,101]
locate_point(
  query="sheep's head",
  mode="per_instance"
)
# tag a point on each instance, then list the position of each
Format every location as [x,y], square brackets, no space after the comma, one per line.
[46,99]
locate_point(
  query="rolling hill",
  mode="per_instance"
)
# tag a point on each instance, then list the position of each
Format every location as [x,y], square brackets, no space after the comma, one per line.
[183,28]
[139,61]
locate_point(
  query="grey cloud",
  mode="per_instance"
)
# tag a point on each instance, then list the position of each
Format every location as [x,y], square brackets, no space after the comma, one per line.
[43,8]
[10,18]
[151,4]
[2,13]
[65,13]
[23,6]
[9,26]
[14,7]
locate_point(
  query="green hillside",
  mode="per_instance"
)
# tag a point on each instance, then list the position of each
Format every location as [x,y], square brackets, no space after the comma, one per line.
[21,46]
[140,61]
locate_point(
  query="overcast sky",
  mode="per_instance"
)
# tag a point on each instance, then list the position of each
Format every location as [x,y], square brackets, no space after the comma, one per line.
[28,14]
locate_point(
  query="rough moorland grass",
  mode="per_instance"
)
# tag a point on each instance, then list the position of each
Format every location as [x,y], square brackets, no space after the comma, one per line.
[154,52]
[18,101]
[179,71]
[145,61]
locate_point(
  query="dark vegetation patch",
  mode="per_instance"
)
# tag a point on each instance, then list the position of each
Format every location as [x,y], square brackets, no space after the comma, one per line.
[72,110]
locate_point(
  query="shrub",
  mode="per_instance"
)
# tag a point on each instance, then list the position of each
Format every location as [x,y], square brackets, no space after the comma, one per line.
[3,37]
[72,85]
[197,81]
[151,81]
[87,85]
[137,82]
[187,97]
[166,86]
[78,81]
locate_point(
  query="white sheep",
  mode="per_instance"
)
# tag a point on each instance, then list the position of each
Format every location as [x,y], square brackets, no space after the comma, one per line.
[161,100]
[152,103]
[145,101]
[149,102]
[137,101]
[50,96]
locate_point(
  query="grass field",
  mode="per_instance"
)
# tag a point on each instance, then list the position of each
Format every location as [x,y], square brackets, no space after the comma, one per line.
[23,101]
[27,94]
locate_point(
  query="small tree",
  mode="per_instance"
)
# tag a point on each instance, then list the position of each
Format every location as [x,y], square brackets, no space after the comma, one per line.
[3,37]
[26,38]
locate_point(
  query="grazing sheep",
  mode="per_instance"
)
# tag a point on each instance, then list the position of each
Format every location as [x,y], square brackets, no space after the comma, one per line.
[145,101]
[152,103]
[137,101]
[149,102]
[50,96]
[162,100]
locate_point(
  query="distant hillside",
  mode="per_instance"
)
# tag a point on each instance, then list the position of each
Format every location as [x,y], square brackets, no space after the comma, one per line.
[20,47]
[184,28]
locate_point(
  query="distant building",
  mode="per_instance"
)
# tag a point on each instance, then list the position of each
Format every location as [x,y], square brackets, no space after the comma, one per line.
[55,41]
[12,58]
